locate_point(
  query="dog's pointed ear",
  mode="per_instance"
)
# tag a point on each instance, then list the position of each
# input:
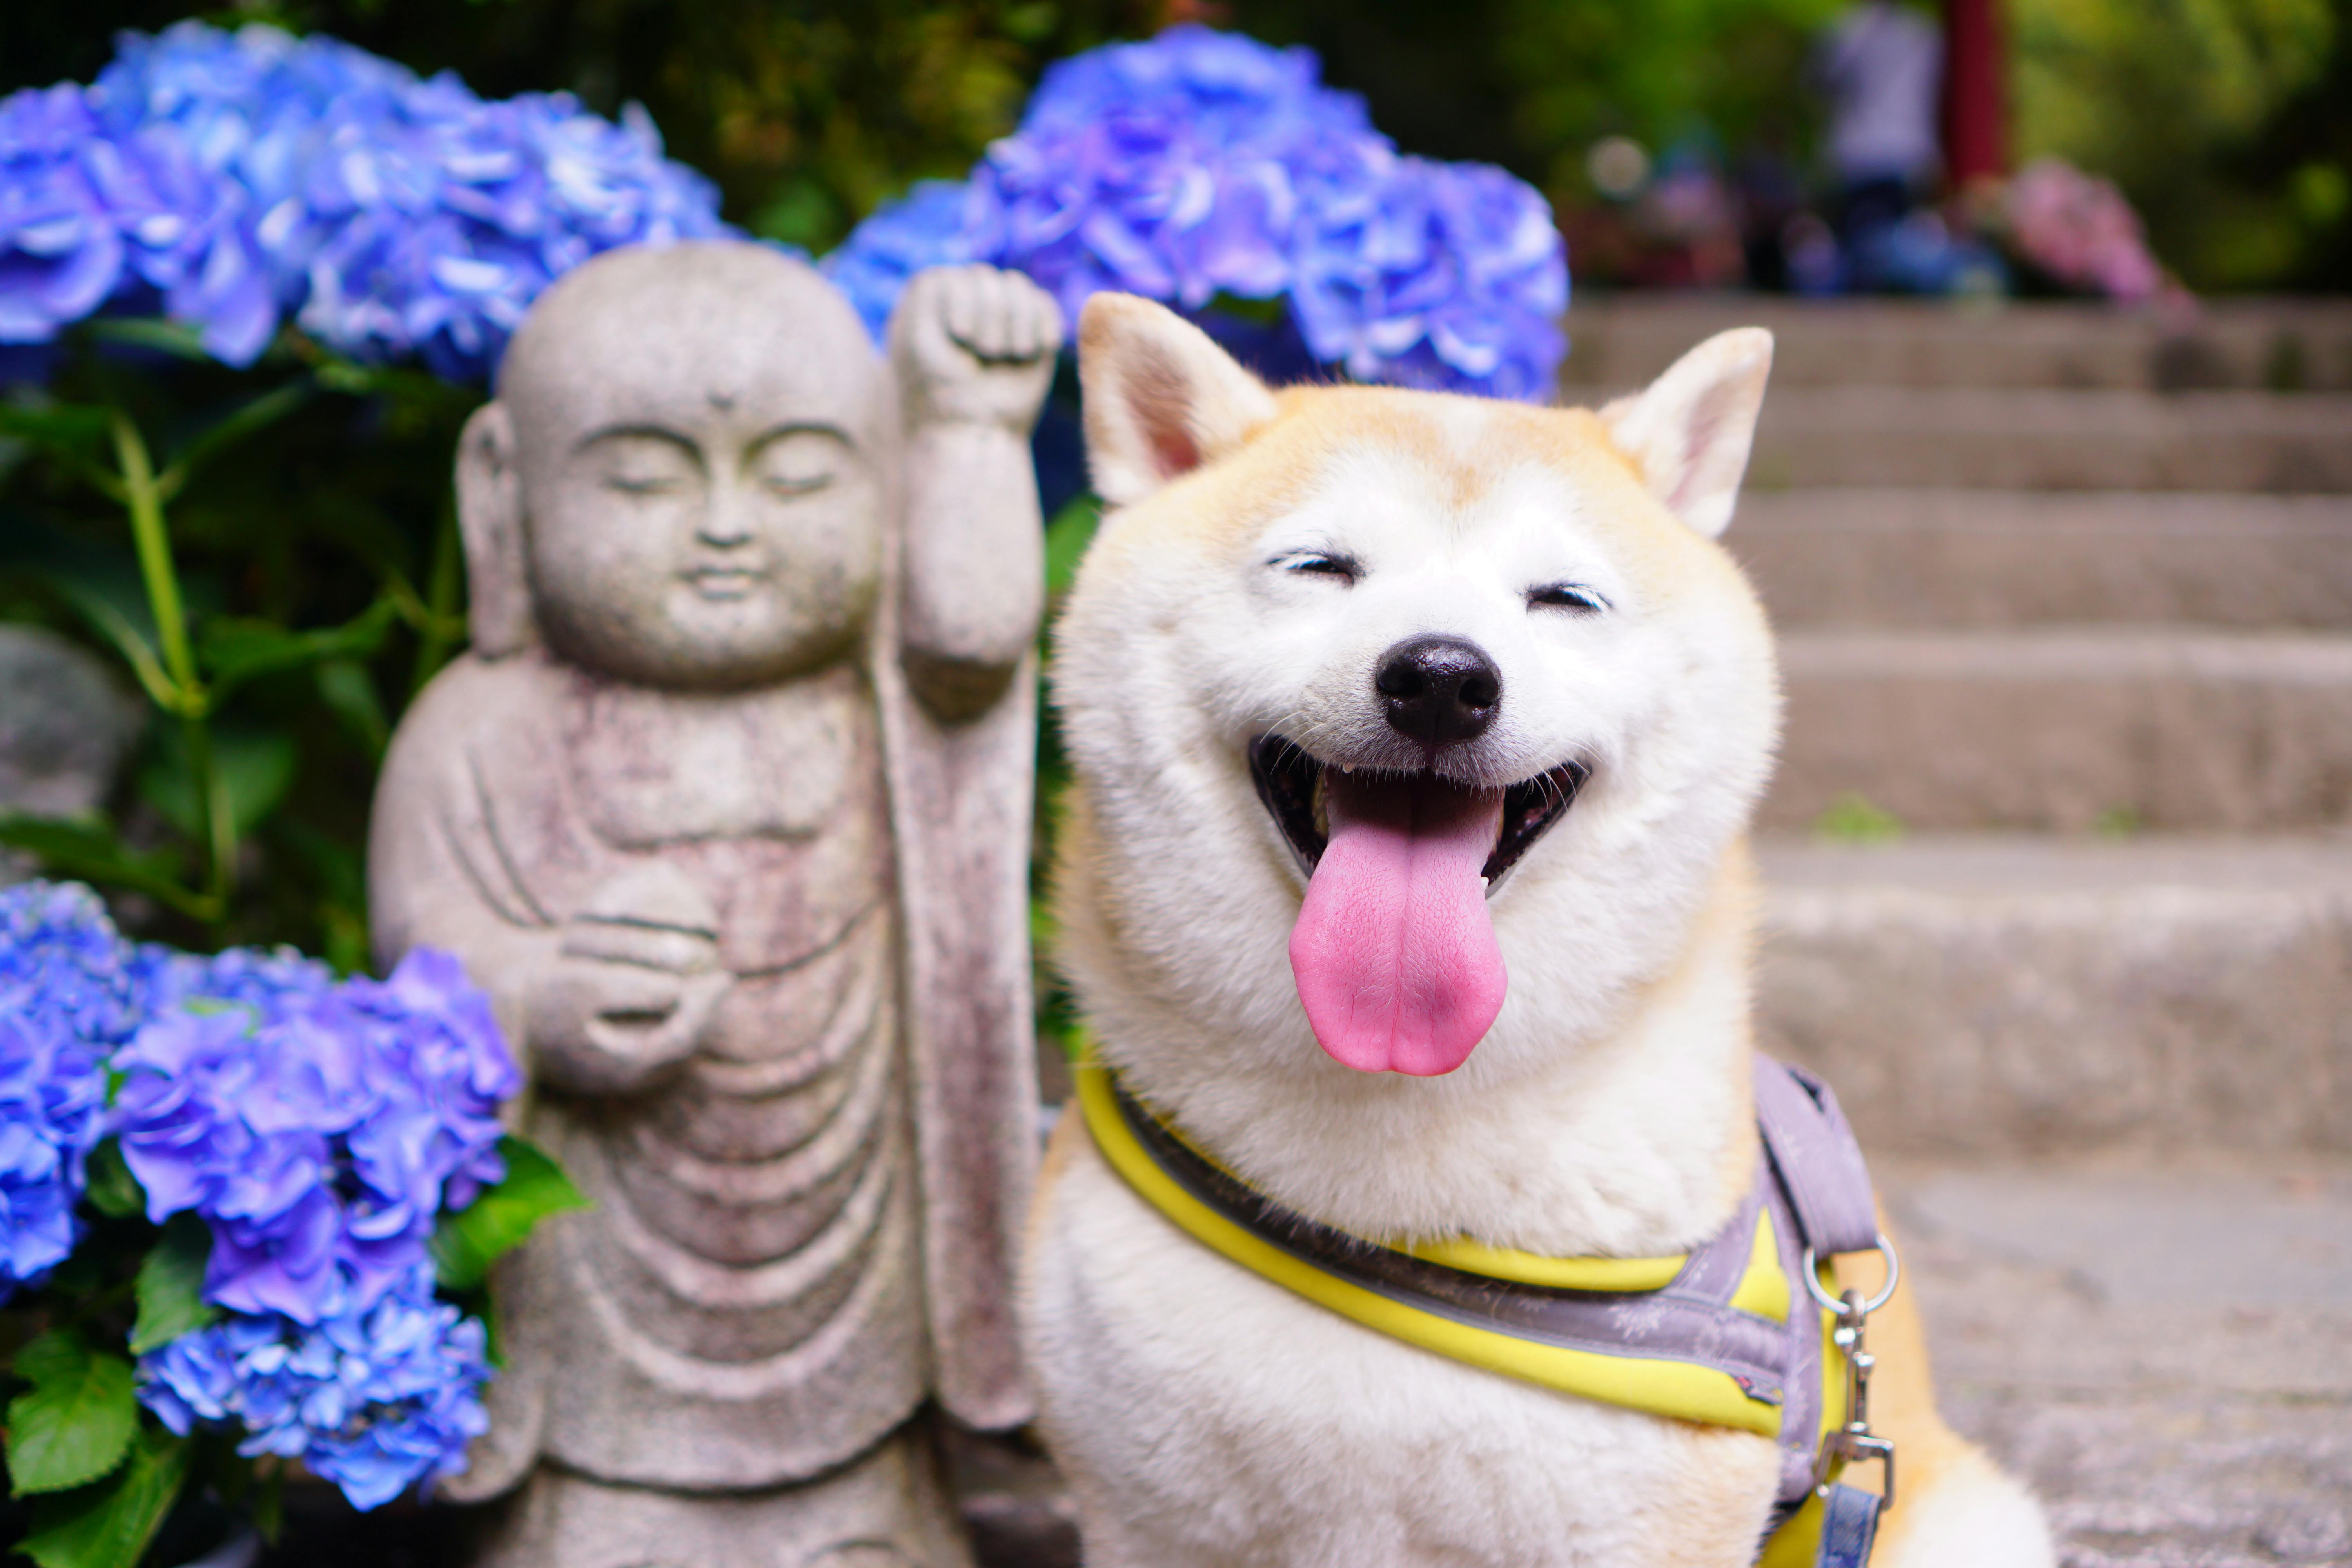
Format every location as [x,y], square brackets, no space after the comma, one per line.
[1161,398]
[1689,433]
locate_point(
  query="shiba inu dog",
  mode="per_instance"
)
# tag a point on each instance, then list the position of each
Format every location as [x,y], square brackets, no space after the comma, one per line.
[1404,882]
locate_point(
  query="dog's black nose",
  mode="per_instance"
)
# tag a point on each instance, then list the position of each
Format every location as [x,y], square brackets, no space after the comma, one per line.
[1439,689]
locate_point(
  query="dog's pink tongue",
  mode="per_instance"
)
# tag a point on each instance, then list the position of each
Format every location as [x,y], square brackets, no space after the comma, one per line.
[1393,950]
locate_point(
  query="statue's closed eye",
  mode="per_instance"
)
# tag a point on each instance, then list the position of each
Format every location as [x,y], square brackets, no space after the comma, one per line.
[645,462]
[798,461]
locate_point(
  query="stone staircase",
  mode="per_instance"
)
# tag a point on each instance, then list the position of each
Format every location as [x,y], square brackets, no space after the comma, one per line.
[2066,606]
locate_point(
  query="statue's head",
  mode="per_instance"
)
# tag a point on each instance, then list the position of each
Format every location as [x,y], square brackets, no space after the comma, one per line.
[685,477]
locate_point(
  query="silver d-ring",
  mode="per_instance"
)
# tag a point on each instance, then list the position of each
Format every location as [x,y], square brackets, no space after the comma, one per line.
[1893,1273]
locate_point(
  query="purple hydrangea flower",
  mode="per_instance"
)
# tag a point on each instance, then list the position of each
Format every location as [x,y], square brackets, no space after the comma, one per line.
[319,1131]
[65,997]
[375,1398]
[1202,163]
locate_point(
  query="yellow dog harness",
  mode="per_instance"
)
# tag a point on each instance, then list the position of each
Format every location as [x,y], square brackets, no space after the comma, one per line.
[1717,1336]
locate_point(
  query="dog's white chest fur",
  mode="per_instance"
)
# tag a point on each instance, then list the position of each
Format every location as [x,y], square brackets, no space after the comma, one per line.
[1230,1422]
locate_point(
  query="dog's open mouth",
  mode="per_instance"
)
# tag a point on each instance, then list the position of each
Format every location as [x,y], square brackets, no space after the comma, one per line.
[1394,950]
[1291,784]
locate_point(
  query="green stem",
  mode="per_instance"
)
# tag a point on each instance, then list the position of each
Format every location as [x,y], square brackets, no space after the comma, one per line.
[143,496]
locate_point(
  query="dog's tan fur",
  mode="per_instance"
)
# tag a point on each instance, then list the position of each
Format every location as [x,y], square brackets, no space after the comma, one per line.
[1204,1415]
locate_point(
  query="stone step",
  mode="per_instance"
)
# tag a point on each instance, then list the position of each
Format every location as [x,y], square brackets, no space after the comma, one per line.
[2068,729]
[1987,995]
[2162,1349]
[1999,558]
[2281,345]
[2038,439]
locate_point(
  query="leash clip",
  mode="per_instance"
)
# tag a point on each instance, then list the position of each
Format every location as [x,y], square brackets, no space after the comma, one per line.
[1855,1442]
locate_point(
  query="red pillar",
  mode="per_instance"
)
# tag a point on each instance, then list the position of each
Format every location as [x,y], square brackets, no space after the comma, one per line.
[1976,140]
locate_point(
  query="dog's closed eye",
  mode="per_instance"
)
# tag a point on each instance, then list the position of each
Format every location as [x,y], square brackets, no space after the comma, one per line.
[1572,596]
[1322,564]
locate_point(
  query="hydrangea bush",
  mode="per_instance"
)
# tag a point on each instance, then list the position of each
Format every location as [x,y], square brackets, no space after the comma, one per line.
[231,180]
[285,1171]
[234,180]
[1202,164]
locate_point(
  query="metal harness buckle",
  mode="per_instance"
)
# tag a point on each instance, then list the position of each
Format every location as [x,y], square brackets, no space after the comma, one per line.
[1853,1442]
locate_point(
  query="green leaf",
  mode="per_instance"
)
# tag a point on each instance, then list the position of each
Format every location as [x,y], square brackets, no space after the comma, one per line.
[76,1422]
[1851,818]
[112,1190]
[252,417]
[85,849]
[346,688]
[465,1245]
[184,339]
[235,651]
[65,425]
[110,1524]
[172,1283]
[256,767]
[1067,538]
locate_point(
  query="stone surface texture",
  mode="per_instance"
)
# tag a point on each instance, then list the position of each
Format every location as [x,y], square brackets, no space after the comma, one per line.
[2166,1354]
[2042,438]
[727,809]
[1975,559]
[2064,728]
[64,726]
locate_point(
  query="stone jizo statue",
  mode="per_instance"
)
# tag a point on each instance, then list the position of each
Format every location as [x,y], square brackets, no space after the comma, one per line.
[728,808]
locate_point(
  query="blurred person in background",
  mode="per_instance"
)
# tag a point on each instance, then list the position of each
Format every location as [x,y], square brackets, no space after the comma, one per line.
[1881,65]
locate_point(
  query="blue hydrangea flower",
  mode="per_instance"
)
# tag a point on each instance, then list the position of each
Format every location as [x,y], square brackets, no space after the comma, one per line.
[268,980]
[63,965]
[92,217]
[230,179]
[375,1398]
[930,226]
[440,223]
[61,248]
[67,996]
[1202,163]
[52,1110]
[319,1131]
[1441,275]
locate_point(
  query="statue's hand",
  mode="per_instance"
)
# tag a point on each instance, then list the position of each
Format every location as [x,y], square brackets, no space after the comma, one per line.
[620,1003]
[975,345]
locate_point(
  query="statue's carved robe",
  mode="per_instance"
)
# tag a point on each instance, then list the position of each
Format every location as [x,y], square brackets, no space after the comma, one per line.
[804,1230]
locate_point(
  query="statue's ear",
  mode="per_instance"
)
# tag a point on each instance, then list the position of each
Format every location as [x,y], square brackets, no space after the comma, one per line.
[1689,432]
[1161,398]
[489,516]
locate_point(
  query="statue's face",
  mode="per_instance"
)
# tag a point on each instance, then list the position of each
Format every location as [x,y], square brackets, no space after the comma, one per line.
[702,493]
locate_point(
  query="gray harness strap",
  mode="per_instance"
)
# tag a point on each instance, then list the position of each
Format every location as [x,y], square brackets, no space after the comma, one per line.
[1830,1208]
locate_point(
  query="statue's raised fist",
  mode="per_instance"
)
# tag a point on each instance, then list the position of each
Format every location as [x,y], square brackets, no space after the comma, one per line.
[974,344]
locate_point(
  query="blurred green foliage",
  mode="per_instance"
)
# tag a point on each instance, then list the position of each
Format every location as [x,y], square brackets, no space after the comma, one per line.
[271,557]
[2228,123]
[1532,84]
